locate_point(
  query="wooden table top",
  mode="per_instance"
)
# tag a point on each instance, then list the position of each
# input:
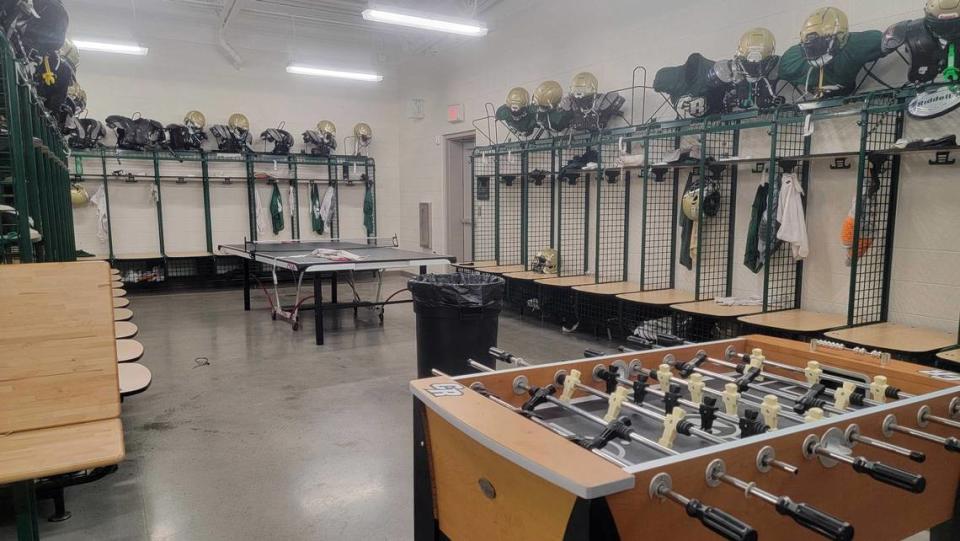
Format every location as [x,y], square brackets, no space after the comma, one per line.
[117,292]
[568,281]
[951,355]
[128,350]
[710,308]
[475,264]
[896,337]
[62,449]
[528,275]
[609,288]
[501,269]
[122,314]
[134,378]
[121,302]
[60,398]
[125,329]
[659,297]
[797,320]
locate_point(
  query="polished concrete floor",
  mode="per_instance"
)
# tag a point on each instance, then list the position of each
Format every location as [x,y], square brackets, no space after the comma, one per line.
[272,437]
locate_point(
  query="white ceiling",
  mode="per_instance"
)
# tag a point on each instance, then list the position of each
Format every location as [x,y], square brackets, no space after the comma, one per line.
[297,28]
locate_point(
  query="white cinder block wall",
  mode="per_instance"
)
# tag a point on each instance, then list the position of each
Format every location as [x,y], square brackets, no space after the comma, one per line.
[535,40]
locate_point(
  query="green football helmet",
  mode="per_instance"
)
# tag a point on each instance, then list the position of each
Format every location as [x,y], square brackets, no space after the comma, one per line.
[942,18]
[824,33]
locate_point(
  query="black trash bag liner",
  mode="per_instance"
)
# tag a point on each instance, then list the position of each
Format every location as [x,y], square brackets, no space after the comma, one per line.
[457,290]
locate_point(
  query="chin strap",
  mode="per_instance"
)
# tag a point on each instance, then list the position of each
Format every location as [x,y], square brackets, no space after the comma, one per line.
[49,78]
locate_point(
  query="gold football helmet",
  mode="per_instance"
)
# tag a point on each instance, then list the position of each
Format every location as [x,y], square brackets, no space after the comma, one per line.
[756,52]
[325,127]
[238,120]
[824,33]
[548,95]
[518,99]
[195,119]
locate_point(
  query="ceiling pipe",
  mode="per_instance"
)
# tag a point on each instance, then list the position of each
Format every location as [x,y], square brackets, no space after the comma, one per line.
[229,9]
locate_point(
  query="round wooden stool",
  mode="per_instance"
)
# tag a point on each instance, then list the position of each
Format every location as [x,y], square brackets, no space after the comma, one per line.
[121,302]
[129,350]
[116,284]
[122,314]
[119,292]
[125,329]
[134,378]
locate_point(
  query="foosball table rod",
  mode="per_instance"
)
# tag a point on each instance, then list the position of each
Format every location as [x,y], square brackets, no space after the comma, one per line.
[852,436]
[759,374]
[803,514]
[747,399]
[815,370]
[719,522]
[890,426]
[560,431]
[538,395]
[814,447]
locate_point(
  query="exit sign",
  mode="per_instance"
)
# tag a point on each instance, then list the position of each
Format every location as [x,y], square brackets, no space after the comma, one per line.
[455,113]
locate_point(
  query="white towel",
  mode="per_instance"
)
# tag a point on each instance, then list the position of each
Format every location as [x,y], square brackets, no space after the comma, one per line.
[258,215]
[793,224]
[326,206]
[752,300]
[99,200]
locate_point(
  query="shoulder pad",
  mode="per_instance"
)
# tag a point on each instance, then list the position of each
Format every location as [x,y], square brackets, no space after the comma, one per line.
[894,37]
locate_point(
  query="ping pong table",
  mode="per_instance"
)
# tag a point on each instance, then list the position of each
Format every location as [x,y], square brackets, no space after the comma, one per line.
[299,257]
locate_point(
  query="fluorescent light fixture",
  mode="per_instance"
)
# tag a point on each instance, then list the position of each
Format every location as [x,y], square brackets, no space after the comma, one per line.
[322,72]
[424,21]
[121,48]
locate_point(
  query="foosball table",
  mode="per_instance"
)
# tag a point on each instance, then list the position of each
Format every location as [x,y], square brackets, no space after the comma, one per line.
[748,438]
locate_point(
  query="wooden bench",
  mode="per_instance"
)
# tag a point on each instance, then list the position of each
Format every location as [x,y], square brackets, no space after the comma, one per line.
[121,302]
[797,321]
[659,297]
[609,288]
[712,308]
[896,337]
[528,275]
[951,356]
[501,269]
[61,400]
[122,314]
[567,281]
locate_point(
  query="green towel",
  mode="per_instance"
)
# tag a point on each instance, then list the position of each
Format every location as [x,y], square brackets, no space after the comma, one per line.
[315,219]
[276,209]
[368,210]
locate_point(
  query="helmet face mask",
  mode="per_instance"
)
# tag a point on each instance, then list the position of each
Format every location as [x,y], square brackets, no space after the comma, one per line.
[756,56]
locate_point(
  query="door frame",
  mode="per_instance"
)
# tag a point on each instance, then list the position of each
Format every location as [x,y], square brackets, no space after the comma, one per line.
[453,192]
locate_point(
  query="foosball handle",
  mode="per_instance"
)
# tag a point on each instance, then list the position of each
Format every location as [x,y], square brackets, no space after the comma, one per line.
[816,520]
[720,522]
[911,482]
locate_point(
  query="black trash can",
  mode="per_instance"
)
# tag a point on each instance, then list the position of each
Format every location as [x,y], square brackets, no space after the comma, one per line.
[457,319]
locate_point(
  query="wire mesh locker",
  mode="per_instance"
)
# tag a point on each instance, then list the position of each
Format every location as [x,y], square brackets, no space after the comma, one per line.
[713,249]
[783,275]
[871,250]
[573,190]
[658,252]
[658,249]
[539,185]
[600,310]
[509,206]
[483,212]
